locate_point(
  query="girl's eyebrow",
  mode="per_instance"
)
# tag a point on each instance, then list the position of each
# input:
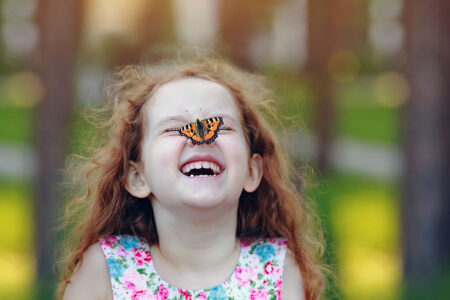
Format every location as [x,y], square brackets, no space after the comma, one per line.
[183,119]
[171,118]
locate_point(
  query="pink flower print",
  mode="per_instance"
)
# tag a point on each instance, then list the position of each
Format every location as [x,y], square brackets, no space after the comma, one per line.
[265,282]
[282,242]
[163,293]
[130,285]
[278,273]
[268,269]
[140,295]
[202,296]
[122,252]
[133,280]
[244,275]
[186,294]
[141,256]
[278,284]
[258,294]
[108,241]
[278,289]
[278,292]
[245,243]
[138,292]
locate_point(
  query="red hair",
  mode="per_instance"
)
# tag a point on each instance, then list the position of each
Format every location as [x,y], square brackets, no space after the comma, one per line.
[275,209]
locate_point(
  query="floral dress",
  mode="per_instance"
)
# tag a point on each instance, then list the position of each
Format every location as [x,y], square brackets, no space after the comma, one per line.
[258,273]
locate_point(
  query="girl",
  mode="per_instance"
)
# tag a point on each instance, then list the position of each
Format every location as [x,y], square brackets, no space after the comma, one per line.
[190,196]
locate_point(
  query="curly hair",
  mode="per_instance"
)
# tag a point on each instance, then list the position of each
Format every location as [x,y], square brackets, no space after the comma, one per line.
[275,209]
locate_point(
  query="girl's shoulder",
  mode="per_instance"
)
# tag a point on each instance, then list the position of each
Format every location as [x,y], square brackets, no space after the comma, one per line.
[90,279]
[292,279]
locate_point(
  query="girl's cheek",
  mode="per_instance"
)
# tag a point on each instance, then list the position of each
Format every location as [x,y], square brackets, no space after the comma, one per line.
[236,152]
[170,150]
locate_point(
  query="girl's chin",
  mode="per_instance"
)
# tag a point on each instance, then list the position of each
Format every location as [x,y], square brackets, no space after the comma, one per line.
[203,202]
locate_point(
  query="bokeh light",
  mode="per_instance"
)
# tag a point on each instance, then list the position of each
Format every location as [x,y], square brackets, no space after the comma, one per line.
[367,230]
[23,89]
[16,251]
[391,88]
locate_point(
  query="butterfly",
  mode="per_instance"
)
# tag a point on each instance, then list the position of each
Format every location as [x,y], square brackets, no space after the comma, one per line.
[204,131]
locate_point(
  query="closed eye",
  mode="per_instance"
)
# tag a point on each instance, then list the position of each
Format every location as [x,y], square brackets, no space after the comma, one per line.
[169,130]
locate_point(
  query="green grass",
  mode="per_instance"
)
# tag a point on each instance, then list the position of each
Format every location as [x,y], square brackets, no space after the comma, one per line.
[361,116]
[359,112]
[431,287]
[360,220]
[294,99]
[16,125]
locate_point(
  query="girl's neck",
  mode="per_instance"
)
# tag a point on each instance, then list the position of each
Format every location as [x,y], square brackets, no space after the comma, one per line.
[189,246]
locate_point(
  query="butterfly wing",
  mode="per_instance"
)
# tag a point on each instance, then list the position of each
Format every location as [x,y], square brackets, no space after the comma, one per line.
[191,131]
[209,130]
[212,127]
[187,130]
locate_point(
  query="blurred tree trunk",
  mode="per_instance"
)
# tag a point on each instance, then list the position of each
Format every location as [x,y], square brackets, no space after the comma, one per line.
[426,203]
[59,24]
[153,26]
[236,20]
[239,21]
[319,53]
[332,26]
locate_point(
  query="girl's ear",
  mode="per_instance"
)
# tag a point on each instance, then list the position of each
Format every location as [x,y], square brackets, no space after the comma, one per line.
[255,172]
[136,184]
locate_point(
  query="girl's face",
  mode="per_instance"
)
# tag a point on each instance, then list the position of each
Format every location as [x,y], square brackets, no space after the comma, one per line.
[167,156]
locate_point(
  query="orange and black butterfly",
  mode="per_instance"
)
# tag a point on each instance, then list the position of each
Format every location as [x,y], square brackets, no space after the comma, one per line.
[204,131]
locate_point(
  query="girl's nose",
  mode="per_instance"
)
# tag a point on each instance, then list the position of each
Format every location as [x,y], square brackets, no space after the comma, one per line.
[191,143]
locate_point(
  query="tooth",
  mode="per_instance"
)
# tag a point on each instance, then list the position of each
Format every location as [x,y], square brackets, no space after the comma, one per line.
[187,168]
[192,175]
[198,165]
[206,165]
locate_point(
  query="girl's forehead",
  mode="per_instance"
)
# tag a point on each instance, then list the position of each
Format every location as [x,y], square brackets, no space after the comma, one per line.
[191,98]
[191,88]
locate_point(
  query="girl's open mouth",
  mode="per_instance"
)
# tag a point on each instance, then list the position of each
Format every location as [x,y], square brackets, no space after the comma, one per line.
[201,169]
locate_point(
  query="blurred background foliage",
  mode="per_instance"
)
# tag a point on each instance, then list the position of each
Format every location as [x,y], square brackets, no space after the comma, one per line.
[341,71]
